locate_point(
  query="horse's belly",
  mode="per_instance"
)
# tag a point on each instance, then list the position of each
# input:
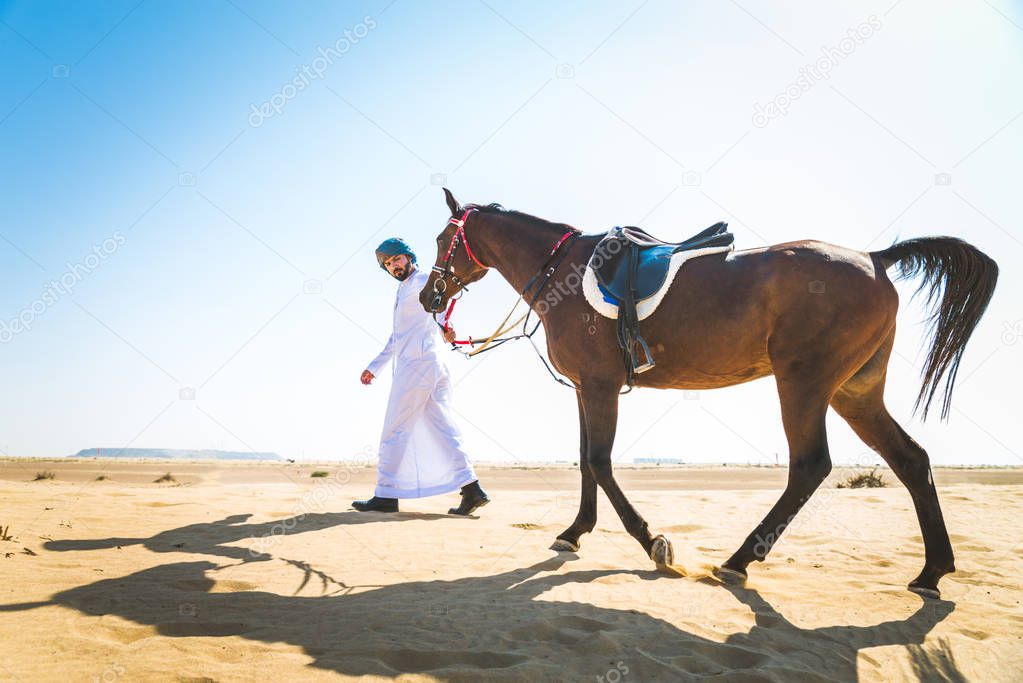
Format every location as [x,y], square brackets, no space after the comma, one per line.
[700,378]
[708,337]
[705,366]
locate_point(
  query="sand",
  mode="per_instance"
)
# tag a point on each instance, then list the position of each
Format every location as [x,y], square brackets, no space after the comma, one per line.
[245,571]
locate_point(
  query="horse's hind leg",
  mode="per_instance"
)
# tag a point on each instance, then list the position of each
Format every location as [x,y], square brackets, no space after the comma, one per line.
[803,408]
[600,403]
[587,517]
[861,402]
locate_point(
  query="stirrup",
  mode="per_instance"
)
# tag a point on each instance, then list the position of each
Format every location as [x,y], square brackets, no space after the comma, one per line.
[649,363]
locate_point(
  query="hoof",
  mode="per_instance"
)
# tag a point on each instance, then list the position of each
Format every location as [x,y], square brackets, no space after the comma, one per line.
[661,551]
[672,570]
[925,592]
[561,545]
[926,584]
[732,577]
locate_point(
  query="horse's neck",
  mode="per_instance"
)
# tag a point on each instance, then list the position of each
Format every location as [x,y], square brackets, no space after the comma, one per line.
[518,248]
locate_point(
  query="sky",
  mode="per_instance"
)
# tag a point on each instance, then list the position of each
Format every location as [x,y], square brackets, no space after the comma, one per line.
[192,192]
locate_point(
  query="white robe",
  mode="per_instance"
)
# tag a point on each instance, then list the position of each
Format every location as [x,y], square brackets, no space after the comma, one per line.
[421,451]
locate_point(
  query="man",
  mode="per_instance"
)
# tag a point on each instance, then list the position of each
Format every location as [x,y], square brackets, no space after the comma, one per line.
[421,451]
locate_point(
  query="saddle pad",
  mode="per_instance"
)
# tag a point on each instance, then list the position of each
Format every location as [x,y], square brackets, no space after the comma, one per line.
[595,294]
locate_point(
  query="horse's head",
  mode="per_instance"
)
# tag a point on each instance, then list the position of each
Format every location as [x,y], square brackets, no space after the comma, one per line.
[457,264]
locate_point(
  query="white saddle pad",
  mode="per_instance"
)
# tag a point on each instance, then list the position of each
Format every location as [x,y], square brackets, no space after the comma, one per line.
[645,307]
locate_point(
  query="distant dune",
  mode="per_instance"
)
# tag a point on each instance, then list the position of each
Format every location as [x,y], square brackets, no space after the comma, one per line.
[172,454]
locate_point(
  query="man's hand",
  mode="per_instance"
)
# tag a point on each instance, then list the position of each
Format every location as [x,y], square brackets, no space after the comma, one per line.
[367,377]
[449,335]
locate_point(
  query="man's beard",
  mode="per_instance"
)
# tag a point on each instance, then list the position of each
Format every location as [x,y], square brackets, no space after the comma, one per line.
[403,274]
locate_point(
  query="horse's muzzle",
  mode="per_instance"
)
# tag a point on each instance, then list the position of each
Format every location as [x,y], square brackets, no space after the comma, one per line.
[435,298]
[432,301]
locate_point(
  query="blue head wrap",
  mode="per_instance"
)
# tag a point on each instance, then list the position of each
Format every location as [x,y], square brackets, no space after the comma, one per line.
[393,247]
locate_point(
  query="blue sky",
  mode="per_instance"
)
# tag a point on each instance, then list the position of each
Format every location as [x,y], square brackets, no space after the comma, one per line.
[223,288]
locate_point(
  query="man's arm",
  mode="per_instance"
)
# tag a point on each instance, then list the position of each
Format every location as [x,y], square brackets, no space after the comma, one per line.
[380,361]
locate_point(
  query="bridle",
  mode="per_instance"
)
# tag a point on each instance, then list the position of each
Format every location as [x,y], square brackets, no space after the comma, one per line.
[440,285]
[540,278]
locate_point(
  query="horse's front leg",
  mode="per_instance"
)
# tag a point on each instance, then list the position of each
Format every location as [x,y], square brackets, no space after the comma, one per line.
[586,519]
[600,403]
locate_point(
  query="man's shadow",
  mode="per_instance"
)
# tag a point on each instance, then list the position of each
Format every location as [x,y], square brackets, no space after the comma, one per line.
[496,626]
[212,538]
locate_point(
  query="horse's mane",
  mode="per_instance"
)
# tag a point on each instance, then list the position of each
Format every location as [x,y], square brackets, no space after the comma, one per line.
[495,208]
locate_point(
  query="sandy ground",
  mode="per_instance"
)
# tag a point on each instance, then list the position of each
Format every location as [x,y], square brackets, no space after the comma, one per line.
[258,572]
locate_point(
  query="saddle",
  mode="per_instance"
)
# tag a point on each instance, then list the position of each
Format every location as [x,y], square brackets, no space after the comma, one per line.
[631,265]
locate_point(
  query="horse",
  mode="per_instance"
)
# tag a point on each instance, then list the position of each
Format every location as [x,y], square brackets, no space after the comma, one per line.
[819,317]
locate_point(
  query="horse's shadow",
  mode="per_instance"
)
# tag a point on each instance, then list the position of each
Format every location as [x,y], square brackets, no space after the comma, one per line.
[497,627]
[212,538]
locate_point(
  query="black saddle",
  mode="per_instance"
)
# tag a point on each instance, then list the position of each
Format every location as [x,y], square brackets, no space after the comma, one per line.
[611,268]
[632,265]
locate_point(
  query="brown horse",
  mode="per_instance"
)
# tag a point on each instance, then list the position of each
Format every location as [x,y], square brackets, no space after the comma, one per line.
[819,317]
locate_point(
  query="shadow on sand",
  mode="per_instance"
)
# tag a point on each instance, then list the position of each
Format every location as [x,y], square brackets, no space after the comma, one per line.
[496,626]
[212,538]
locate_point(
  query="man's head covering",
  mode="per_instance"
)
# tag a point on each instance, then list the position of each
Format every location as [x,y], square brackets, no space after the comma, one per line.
[393,247]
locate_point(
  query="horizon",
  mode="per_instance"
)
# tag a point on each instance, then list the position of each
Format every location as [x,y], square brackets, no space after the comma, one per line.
[357,459]
[501,464]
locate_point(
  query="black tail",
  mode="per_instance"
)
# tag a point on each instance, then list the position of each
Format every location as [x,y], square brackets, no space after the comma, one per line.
[965,278]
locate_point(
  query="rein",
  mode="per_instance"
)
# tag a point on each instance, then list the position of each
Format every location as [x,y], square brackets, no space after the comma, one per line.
[540,278]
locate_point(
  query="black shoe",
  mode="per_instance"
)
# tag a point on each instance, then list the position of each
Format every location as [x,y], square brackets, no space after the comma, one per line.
[376,504]
[473,498]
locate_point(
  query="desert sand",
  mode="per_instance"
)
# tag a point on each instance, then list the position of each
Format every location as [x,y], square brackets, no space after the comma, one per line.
[242,571]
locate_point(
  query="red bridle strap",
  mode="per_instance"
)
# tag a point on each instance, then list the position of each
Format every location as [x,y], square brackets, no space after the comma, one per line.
[562,240]
[460,222]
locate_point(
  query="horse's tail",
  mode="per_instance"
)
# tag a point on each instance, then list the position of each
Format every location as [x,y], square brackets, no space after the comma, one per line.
[959,281]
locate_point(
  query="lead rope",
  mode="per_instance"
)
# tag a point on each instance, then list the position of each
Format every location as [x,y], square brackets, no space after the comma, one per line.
[495,340]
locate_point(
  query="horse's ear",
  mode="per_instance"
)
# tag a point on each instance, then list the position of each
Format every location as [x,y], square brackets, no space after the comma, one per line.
[452,203]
